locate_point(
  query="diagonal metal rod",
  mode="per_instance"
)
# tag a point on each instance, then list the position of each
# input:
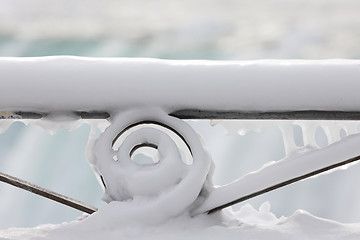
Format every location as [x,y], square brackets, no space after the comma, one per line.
[285,183]
[47,193]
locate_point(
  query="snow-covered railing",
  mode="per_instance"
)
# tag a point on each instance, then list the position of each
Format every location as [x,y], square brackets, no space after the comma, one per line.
[145,101]
[69,84]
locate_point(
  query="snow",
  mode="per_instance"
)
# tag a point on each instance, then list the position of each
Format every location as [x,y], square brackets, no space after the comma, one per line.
[104,84]
[149,202]
[170,197]
[277,172]
[229,29]
[247,223]
[168,187]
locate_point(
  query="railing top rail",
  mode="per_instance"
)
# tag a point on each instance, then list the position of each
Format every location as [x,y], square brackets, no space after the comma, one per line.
[67,84]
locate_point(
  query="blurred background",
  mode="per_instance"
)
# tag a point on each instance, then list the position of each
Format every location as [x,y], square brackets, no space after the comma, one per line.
[169,29]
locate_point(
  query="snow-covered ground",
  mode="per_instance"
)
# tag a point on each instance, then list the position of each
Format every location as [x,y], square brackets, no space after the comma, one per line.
[247,223]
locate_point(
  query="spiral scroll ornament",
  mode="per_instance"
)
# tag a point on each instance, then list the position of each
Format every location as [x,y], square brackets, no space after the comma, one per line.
[173,181]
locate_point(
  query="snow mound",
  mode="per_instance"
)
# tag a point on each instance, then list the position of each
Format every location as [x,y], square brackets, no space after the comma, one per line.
[246,223]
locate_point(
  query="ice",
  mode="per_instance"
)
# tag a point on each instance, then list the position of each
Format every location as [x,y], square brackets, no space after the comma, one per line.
[287,131]
[332,131]
[309,129]
[242,127]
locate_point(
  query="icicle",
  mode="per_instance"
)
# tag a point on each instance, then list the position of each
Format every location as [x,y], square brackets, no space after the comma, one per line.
[287,131]
[332,131]
[241,127]
[350,127]
[232,127]
[309,130]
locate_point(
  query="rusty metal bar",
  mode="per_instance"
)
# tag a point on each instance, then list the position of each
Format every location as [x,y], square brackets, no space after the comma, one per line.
[47,193]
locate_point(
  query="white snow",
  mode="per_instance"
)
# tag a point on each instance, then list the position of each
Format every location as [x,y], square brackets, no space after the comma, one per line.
[282,170]
[247,223]
[168,198]
[157,205]
[165,189]
[100,84]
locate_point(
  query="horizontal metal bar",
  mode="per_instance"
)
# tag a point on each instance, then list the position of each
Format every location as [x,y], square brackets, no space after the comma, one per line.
[39,115]
[285,183]
[288,115]
[47,193]
[209,114]
[93,115]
